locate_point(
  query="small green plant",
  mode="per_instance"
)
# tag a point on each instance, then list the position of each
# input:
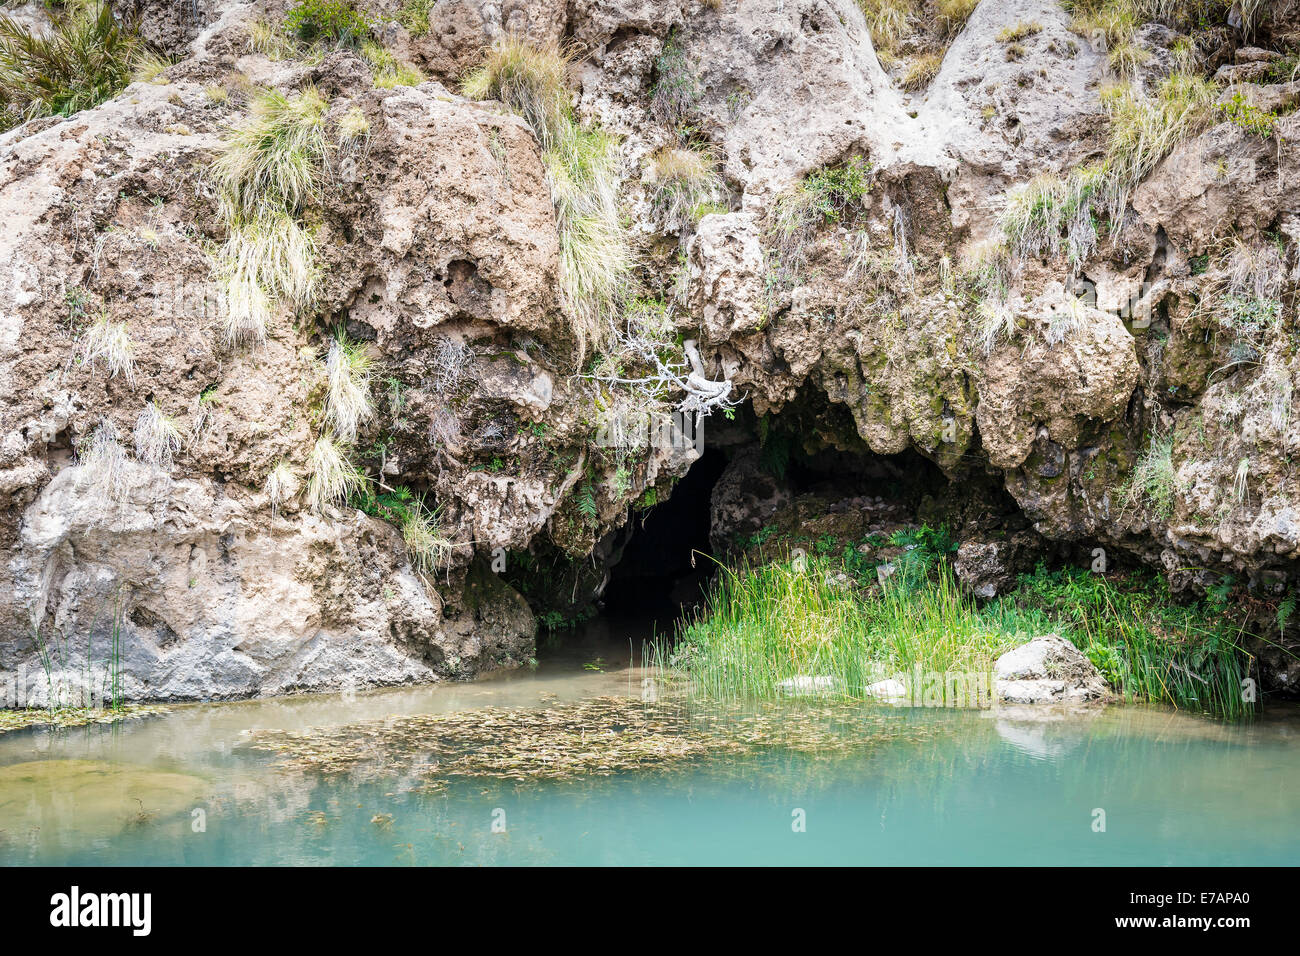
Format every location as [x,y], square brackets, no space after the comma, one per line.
[274,160]
[336,21]
[676,89]
[532,80]
[270,41]
[149,67]
[1050,213]
[1154,481]
[1240,112]
[825,196]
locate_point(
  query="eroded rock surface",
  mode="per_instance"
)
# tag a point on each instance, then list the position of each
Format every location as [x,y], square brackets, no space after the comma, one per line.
[438,247]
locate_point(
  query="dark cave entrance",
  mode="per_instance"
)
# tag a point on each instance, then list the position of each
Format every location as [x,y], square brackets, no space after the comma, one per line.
[752,475]
[667,559]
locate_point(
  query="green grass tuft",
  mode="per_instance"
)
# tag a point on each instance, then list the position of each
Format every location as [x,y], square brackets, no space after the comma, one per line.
[85,59]
[596,260]
[829,617]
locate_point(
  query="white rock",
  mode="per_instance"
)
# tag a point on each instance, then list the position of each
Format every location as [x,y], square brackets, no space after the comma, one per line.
[803,685]
[887,690]
[1049,669]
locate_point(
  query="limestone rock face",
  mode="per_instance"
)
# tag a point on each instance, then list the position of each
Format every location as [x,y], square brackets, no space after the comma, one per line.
[437,247]
[1056,390]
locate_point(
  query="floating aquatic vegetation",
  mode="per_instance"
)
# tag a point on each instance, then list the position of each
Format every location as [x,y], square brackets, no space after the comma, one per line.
[73,716]
[594,737]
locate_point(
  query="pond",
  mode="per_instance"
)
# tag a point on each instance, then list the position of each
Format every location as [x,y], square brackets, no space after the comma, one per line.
[588,760]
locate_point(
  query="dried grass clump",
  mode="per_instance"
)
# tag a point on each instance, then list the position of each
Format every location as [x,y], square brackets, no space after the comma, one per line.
[270,167]
[281,486]
[348,403]
[426,543]
[104,460]
[683,183]
[157,437]
[332,478]
[109,342]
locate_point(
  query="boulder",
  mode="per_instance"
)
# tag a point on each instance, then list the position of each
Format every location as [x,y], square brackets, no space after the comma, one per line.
[1047,670]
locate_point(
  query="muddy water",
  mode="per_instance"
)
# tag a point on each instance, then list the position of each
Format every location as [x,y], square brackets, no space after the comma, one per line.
[572,764]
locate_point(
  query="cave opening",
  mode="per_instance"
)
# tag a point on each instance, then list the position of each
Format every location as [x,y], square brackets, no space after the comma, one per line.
[791,478]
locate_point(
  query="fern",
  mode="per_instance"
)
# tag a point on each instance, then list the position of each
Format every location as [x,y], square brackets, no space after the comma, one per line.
[587,503]
[1284,612]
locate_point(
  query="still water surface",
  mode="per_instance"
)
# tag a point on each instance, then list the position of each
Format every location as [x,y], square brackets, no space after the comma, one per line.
[924,787]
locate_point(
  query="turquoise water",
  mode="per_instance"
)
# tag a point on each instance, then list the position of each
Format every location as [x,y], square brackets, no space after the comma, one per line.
[925,787]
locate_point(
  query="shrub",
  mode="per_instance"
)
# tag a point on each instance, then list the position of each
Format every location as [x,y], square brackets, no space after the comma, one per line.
[157,437]
[682,182]
[1240,112]
[87,58]
[337,21]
